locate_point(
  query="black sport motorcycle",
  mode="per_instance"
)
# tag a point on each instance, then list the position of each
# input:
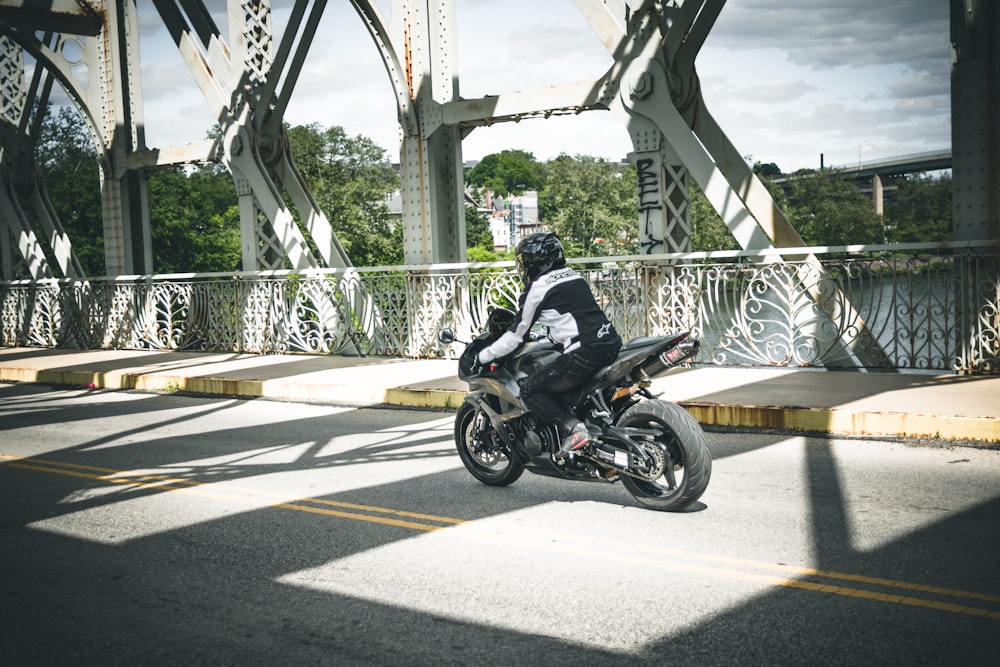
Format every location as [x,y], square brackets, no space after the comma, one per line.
[656,448]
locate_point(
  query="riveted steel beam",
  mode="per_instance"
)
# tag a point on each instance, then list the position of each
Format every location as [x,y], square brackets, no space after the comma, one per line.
[76,17]
[432,183]
[665,106]
[975,103]
[240,81]
[28,223]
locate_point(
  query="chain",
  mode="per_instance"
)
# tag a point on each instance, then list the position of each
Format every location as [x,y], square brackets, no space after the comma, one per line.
[655,452]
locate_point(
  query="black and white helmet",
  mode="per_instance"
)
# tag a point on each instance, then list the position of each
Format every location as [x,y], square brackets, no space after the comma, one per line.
[537,254]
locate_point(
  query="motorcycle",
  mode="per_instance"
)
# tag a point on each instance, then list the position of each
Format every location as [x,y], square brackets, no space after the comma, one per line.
[654,447]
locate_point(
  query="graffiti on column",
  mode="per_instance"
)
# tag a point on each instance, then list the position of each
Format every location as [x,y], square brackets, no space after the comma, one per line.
[649,204]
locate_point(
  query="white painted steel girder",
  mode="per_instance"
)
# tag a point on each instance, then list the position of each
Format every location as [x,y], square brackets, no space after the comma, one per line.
[111,104]
[654,72]
[658,86]
[22,193]
[241,86]
[432,177]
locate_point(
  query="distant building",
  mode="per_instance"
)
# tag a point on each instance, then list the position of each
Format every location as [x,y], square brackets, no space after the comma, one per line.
[513,218]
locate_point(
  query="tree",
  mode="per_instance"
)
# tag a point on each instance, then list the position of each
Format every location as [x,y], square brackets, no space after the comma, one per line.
[477,230]
[351,179]
[592,204]
[194,221]
[509,172]
[67,159]
[920,210]
[766,169]
[829,210]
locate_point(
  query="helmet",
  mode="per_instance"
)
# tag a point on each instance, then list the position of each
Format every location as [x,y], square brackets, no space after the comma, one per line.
[538,253]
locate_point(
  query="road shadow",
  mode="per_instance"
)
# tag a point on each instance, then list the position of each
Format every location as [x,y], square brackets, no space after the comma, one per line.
[206,590]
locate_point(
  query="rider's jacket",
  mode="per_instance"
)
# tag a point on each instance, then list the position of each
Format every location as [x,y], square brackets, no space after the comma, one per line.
[561,301]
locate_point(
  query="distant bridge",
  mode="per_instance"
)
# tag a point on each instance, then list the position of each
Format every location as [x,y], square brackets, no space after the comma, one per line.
[899,165]
[875,170]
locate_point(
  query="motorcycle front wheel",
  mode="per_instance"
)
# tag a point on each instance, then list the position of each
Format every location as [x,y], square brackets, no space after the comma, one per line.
[481,451]
[688,462]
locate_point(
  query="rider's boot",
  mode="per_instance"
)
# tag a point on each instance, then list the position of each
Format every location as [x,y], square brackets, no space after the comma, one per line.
[577,438]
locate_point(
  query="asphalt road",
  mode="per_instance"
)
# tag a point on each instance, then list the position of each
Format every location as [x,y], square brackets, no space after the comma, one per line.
[161,529]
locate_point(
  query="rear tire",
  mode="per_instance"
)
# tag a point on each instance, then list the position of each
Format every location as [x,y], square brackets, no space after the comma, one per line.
[479,447]
[689,462]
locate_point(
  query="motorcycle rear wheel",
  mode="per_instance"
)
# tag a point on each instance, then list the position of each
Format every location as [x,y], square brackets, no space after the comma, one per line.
[480,449]
[689,462]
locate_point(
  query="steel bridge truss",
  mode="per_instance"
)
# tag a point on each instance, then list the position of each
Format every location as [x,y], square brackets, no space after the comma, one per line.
[247,81]
[90,48]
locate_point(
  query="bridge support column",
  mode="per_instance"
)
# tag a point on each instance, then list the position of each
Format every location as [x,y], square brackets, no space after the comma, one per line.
[115,103]
[431,156]
[664,197]
[975,111]
[878,194]
[975,102]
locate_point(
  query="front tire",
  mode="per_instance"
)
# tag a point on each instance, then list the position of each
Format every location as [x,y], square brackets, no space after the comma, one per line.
[480,449]
[689,462]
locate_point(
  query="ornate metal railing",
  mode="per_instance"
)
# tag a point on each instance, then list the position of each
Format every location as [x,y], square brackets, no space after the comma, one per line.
[880,307]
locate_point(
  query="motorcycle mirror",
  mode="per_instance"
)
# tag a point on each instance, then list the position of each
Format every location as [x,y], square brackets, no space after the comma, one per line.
[446,336]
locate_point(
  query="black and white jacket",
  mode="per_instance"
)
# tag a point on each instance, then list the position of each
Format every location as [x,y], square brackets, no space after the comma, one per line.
[561,301]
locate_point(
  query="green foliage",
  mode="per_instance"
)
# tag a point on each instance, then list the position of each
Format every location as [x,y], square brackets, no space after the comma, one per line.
[708,232]
[766,170]
[194,221]
[508,172]
[480,254]
[351,180]
[920,210]
[477,230]
[829,210]
[68,161]
[592,205]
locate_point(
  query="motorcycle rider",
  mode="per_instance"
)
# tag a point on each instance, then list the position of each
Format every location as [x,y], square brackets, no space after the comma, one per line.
[558,298]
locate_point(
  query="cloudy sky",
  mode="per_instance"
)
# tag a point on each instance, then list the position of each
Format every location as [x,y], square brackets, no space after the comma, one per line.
[786,80]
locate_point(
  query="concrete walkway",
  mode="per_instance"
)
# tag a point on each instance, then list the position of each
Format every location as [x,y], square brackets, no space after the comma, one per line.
[944,406]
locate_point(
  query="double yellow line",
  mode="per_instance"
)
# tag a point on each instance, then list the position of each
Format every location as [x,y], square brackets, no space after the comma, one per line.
[808,579]
[382,515]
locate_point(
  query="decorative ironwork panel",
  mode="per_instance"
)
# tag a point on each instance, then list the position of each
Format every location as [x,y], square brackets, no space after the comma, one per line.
[772,320]
[927,312]
[215,315]
[42,318]
[674,300]
[164,315]
[384,312]
[620,293]
[477,293]
[981,347]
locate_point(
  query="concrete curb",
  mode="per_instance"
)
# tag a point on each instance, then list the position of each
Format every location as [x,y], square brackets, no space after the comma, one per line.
[835,421]
[422,387]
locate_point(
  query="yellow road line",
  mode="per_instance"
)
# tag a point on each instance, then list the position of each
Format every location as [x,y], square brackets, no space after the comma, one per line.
[162,483]
[791,569]
[588,545]
[761,578]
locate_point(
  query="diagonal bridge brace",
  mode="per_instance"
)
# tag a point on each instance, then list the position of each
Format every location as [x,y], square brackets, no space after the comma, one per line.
[241,88]
[657,84]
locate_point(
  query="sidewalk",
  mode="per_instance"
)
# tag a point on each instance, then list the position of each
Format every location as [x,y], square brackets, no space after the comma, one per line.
[844,403]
